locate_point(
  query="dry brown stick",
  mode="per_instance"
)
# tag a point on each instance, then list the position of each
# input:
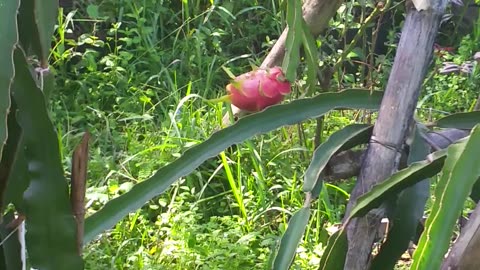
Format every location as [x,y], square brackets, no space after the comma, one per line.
[383,154]
[79,186]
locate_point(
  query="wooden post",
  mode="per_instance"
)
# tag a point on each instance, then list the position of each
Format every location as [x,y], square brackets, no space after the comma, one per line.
[413,57]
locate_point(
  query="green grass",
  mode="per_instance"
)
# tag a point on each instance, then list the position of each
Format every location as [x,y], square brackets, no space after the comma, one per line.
[133,82]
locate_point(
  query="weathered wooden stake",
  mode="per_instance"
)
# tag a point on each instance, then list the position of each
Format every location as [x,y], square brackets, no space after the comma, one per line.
[412,59]
[79,186]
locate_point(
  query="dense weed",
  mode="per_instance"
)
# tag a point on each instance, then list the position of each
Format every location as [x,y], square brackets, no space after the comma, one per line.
[130,72]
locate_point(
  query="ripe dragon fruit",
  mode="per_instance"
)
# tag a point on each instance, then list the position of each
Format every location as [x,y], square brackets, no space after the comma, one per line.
[258,89]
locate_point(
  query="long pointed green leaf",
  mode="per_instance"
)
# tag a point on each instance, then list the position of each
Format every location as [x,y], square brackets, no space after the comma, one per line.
[465,120]
[265,121]
[293,40]
[291,239]
[335,253]
[461,171]
[50,226]
[8,41]
[408,212]
[345,138]
[398,182]
[310,49]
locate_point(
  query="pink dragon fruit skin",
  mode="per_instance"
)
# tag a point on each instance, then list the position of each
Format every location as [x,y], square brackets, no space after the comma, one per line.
[258,89]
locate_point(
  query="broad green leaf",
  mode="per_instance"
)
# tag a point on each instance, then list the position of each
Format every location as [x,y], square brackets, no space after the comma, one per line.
[400,180]
[8,41]
[293,40]
[291,239]
[343,139]
[465,120]
[50,225]
[11,245]
[310,49]
[409,209]
[461,171]
[335,253]
[257,123]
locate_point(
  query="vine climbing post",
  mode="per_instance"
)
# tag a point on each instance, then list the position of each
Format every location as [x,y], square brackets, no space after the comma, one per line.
[412,59]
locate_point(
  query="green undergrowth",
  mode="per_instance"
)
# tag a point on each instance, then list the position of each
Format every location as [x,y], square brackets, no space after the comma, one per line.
[132,74]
